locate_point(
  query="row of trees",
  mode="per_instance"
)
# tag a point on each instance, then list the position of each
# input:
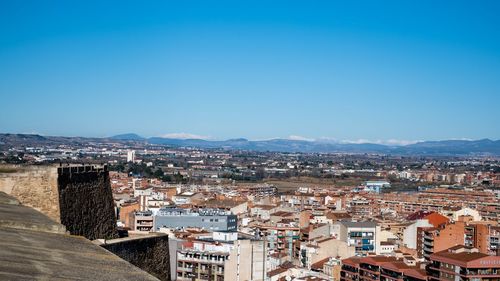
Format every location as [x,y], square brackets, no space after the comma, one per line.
[143,170]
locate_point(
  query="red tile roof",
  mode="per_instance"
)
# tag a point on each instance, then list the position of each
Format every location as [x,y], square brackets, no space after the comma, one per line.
[436,219]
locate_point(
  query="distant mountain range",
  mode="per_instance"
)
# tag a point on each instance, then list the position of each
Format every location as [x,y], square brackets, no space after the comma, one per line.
[130,136]
[445,147]
[435,148]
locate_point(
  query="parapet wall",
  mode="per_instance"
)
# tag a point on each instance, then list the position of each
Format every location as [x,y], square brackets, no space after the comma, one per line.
[150,253]
[79,197]
[86,201]
[33,186]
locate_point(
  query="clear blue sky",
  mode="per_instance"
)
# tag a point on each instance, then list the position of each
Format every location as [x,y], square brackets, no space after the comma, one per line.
[376,70]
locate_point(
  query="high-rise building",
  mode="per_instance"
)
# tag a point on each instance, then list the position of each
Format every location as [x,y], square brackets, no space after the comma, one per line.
[131,156]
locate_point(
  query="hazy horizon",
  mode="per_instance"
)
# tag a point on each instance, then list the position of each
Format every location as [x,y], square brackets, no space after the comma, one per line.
[187,136]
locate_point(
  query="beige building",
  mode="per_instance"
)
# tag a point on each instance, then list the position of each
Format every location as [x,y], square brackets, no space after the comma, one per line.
[321,248]
[246,261]
[237,260]
[330,267]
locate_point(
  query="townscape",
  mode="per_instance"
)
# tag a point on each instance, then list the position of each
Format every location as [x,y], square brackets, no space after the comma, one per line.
[275,140]
[248,215]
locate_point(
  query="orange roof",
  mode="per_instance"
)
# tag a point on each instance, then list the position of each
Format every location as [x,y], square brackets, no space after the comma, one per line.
[352,261]
[319,264]
[436,219]
[466,258]
[416,273]
[377,260]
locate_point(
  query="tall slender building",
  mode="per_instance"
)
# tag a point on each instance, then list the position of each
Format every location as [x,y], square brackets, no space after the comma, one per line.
[131,156]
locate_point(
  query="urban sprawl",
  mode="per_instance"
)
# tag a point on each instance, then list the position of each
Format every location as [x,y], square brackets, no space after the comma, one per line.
[246,215]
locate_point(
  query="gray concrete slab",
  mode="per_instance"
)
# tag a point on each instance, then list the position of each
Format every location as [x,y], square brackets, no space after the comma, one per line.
[33,247]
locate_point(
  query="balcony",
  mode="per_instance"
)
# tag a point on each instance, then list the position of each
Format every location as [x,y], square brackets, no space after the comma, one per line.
[349,269]
[369,269]
[184,269]
[349,277]
[433,273]
[391,274]
[479,272]
[428,250]
[429,243]
[428,237]
[201,260]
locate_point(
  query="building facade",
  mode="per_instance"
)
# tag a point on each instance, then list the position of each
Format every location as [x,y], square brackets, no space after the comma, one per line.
[209,219]
[463,263]
[364,236]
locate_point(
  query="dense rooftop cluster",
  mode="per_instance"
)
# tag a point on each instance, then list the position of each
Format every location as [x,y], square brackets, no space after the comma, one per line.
[299,216]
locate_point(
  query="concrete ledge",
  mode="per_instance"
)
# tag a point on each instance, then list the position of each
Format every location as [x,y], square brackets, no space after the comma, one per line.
[33,247]
[13,215]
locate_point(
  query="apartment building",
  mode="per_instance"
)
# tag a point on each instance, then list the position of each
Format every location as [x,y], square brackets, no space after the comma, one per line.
[237,207]
[421,219]
[376,186]
[435,239]
[320,248]
[280,237]
[480,235]
[143,221]
[209,219]
[382,268]
[364,236]
[459,202]
[361,208]
[494,241]
[200,265]
[208,259]
[477,236]
[262,190]
[463,263]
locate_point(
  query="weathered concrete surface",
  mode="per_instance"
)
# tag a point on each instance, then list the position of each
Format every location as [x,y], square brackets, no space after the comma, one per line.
[32,248]
[150,253]
[86,202]
[14,215]
[33,186]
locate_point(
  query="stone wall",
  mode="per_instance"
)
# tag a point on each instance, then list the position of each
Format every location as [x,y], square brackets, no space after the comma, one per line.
[34,247]
[150,253]
[86,201]
[33,186]
[79,197]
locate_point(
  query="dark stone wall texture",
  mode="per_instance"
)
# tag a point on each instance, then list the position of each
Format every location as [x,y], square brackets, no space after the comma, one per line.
[150,254]
[86,202]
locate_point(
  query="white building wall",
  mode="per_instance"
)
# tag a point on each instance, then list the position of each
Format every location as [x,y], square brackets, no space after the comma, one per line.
[410,233]
[467,212]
